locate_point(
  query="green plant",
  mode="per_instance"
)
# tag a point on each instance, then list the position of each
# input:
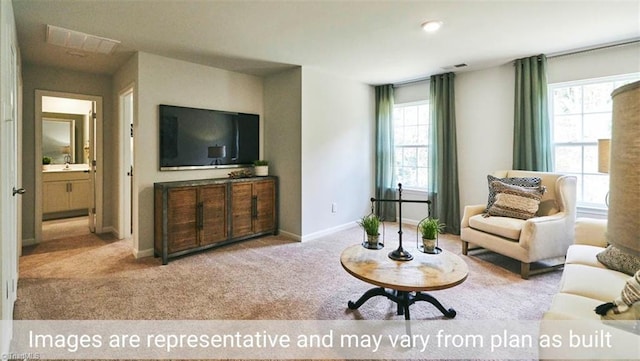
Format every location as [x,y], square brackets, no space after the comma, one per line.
[46,160]
[260,162]
[430,227]
[370,223]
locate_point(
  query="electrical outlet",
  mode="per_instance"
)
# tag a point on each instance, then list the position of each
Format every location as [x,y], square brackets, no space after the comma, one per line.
[334,208]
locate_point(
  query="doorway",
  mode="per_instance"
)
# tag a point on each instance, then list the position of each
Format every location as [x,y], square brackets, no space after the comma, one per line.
[68,132]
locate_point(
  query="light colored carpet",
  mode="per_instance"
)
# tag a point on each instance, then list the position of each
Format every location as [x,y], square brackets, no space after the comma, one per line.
[92,277]
[65,228]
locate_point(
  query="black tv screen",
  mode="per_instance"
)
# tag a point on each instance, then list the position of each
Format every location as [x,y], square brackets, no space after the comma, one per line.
[192,138]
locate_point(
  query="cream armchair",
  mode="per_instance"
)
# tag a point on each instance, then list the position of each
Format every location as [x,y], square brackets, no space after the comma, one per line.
[547,235]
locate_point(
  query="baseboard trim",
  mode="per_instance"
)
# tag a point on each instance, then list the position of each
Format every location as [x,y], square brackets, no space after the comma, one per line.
[326,232]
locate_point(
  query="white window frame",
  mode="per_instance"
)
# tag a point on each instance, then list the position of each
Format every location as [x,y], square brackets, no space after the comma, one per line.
[584,207]
[426,146]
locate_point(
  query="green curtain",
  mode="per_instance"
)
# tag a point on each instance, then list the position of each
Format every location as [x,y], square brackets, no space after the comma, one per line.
[443,156]
[385,187]
[531,131]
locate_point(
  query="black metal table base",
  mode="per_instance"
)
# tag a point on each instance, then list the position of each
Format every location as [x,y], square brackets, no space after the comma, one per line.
[403,300]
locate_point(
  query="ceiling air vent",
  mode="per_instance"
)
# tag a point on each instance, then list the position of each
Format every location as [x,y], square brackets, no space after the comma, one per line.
[79,41]
[452,67]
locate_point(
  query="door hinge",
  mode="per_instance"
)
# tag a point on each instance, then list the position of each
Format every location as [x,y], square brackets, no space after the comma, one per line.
[93,210]
[131,127]
[94,115]
[94,162]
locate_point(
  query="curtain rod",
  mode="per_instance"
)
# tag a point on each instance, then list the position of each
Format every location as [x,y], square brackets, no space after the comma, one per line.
[593,48]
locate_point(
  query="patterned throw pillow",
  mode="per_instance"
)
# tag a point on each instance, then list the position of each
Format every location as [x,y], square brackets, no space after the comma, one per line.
[615,259]
[515,201]
[521,182]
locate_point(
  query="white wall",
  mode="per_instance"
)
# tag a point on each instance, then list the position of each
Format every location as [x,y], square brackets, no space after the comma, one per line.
[484,120]
[168,81]
[283,145]
[337,151]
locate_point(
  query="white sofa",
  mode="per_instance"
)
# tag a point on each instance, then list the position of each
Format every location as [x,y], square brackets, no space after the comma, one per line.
[585,284]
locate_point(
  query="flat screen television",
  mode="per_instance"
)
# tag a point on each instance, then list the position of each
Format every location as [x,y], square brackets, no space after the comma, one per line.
[192,138]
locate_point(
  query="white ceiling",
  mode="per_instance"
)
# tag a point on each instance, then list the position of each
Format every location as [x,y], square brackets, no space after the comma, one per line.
[374,42]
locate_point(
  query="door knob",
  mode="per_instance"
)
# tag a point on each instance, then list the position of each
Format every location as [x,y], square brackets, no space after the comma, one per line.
[20,191]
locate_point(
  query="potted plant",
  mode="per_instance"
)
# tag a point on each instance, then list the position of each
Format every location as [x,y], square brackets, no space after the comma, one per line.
[371,224]
[45,162]
[261,168]
[429,228]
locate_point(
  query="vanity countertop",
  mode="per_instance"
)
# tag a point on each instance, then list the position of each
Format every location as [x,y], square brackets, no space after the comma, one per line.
[59,168]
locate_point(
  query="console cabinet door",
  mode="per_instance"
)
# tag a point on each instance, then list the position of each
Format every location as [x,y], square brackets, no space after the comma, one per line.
[264,213]
[252,207]
[182,218]
[241,209]
[213,223]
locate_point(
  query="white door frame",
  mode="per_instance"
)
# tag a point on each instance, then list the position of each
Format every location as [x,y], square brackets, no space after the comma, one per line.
[99,184]
[126,117]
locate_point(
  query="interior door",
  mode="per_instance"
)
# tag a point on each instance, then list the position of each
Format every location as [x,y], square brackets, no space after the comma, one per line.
[92,168]
[9,192]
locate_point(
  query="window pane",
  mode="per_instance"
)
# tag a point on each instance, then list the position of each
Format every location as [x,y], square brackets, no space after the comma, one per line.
[567,100]
[398,158]
[409,157]
[590,159]
[582,114]
[411,115]
[597,97]
[567,128]
[597,126]
[568,159]
[398,135]
[423,114]
[407,176]
[595,188]
[423,134]
[411,137]
[423,179]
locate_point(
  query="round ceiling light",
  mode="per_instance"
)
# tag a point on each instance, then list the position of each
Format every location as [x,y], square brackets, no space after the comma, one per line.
[431,26]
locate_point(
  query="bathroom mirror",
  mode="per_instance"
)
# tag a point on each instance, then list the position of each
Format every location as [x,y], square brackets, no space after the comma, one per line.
[58,140]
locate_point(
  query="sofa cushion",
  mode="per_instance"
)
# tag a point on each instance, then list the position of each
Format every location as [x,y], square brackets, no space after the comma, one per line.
[518,181]
[615,259]
[568,306]
[598,283]
[500,226]
[514,201]
[584,254]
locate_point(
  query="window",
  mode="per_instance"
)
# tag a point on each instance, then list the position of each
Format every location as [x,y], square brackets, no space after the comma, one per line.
[580,115]
[411,142]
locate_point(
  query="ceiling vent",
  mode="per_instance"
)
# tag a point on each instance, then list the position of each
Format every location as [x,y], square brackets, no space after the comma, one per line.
[79,41]
[457,66]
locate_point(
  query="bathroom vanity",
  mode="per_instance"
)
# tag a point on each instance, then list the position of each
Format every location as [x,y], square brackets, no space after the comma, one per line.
[65,192]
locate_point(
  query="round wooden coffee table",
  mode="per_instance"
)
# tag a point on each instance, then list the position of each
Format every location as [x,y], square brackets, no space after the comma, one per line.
[404,282]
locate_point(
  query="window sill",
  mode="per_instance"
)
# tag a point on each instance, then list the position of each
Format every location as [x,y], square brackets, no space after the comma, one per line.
[592,212]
